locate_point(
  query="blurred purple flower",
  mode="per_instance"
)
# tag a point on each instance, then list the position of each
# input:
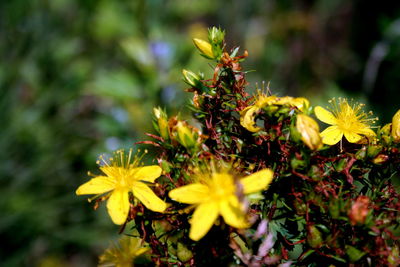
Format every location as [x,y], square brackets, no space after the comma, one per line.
[162,52]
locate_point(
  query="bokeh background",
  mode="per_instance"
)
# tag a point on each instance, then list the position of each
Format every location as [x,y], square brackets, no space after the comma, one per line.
[79,78]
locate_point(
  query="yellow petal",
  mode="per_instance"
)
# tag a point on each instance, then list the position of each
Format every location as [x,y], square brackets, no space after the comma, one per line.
[324,115]
[118,205]
[263,101]
[190,194]
[301,103]
[140,251]
[352,137]
[97,185]
[203,219]
[396,126]
[257,181]
[148,197]
[284,100]
[233,213]
[247,119]
[147,173]
[368,132]
[331,135]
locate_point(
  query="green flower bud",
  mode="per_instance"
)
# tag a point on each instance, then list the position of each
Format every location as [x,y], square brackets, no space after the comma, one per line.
[183,253]
[394,258]
[191,78]
[314,237]
[361,153]
[216,36]
[161,122]
[373,150]
[385,133]
[185,135]
[166,166]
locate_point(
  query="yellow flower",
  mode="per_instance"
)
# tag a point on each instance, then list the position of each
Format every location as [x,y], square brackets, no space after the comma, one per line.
[396,126]
[123,254]
[346,120]
[123,175]
[248,115]
[300,103]
[204,47]
[217,193]
[265,100]
[309,130]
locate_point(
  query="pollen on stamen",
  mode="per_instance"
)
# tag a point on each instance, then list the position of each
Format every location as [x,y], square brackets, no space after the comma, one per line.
[102,161]
[89,173]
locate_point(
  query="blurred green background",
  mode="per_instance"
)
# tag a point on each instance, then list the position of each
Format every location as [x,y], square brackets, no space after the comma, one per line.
[80,78]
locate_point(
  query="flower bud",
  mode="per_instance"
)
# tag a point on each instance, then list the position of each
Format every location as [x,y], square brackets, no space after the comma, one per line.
[373,150]
[385,133]
[396,127]
[216,36]
[309,130]
[184,254]
[314,237]
[204,47]
[394,258]
[185,136]
[191,78]
[161,122]
[380,159]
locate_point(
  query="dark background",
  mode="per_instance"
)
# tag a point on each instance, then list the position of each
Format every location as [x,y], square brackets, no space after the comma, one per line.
[80,77]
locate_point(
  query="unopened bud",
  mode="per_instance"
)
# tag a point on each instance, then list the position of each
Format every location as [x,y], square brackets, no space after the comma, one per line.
[216,36]
[204,47]
[380,159]
[309,130]
[184,254]
[161,122]
[185,136]
[394,258]
[191,78]
[396,127]
[314,237]
[373,150]
[385,133]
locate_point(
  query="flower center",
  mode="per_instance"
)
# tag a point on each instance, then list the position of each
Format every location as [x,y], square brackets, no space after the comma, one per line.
[351,118]
[123,177]
[222,186]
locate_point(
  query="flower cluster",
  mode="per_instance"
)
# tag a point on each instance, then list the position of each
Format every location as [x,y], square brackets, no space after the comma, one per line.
[256,182]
